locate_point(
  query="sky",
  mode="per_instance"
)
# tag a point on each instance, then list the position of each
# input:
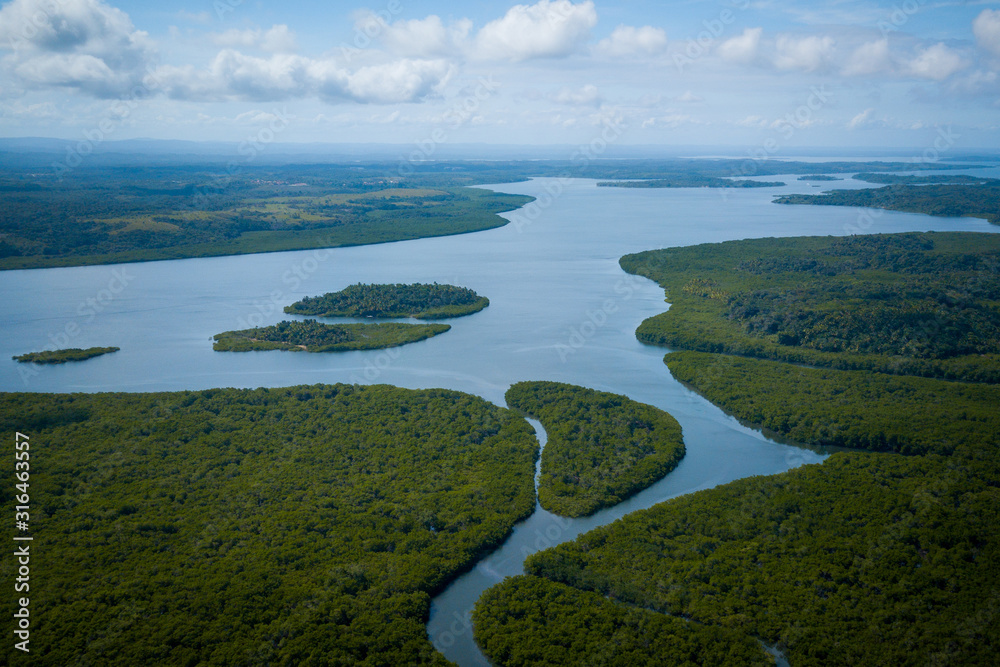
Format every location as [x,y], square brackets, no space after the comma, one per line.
[769,74]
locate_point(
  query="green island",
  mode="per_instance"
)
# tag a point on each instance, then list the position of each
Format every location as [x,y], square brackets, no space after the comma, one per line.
[313,336]
[601,448]
[517,620]
[419,300]
[912,304]
[302,525]
[948,196]
[63,356]
[819,177]
[888,556]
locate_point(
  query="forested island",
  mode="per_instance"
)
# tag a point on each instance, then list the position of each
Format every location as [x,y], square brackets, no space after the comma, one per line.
[64,356]
[419,300]
[601,447]
[867,558]
[313,336]
[953,196]
[302,525]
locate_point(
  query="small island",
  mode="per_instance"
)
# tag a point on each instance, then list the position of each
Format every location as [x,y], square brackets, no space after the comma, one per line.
[63,356]
[312,336]
[602,447]
[419,301]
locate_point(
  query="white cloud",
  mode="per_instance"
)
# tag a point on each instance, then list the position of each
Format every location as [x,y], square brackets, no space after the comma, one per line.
[862,119]
[424,37]
[690,98]
[986,28]
[936,62]
[870,58]
[547,29]
[752,121]
[803,53]
[628,41]
[588,95]
[204,18]
[742,49]
[237,76]
[279,39]
[81,44]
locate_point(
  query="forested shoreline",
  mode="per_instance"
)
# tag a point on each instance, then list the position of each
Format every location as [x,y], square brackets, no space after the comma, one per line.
[884,556]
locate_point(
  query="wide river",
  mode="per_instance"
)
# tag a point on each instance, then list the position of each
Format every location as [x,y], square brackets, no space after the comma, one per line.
[560,309]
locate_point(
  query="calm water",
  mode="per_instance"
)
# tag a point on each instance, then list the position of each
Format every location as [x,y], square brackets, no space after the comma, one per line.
[561,309]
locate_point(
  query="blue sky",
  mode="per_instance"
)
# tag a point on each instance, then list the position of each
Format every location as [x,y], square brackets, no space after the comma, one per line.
[764,73]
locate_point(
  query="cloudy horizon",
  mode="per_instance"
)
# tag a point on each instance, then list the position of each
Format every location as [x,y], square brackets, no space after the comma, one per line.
[769,73]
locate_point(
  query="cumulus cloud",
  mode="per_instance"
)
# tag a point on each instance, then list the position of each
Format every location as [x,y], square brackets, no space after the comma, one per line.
[547,29]
[279,39]
[936,62]
[690,98]
[426,37]
[870,58]
[80,44]
[862,119]
[234,75]
[743,48]
[627,41]
[588,95]
[986,28]
[804,53]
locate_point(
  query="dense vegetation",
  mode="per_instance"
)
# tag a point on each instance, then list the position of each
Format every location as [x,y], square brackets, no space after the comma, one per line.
[856,409]
[918,304]
[304,525]
[419,300]
[312,336]
[601,447]
[62,356]
[691,180]
[955,197]
[913,179]
[529,621]
[819,177]
[871,559]
[170,213]
[126,208]
[868,558]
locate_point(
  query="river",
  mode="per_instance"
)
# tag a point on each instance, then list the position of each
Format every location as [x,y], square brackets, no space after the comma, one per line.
[560,309]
